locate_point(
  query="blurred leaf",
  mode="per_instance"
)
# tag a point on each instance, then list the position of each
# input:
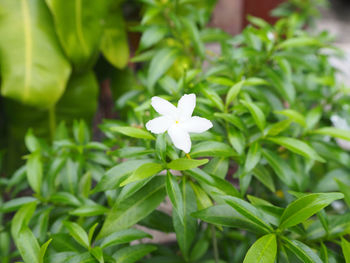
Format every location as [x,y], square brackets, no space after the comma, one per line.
[211,148]
[257,114]
[253,157]
[334,132]
[160,63]
[175,195]
[293,115]
[152,35]
[28,246]
[345,245]
[133,132]
[302,251]
[78,233]
[30,51]
[78,26]
[298,147]
[114,42]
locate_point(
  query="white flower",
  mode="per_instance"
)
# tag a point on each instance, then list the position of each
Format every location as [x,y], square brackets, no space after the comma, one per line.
[178,121]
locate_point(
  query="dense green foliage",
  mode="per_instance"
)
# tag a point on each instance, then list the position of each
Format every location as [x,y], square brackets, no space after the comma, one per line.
[268,183]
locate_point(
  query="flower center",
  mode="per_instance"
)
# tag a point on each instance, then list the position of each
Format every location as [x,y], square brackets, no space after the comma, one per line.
[177,122]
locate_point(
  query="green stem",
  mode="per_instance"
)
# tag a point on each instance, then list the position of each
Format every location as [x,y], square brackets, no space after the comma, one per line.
[215,244]
[52,122]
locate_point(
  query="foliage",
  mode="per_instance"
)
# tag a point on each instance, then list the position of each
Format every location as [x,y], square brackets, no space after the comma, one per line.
[265,184]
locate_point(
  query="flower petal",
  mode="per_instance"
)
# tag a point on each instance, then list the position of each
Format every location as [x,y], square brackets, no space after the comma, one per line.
[159,125]
[163,107]
[197,125]
[186,106]
[180,138]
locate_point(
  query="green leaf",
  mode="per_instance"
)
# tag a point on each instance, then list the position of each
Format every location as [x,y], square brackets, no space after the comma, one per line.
[132,254]
[78,233]
[263,175]
[203,200]
[114,42]
[257,114]
[32,143]
[117,174]
[247,210]
[344,188]
[298,42]
[293,115]
[264,250]
[122,237]
[220,185]
[278,127]
[144,171]
[28,246]
[35,172]
[334,132]
[43,249]
[280,166]
[185,164]
[233,92]
[14,204]
[160,63]
[175,195]
[131,210]
[133,132]
[30,50]
[152,35]
[78,26]
[298,147]
[22,218]
[98,254]
[225,215]
[345,246]
[186,227]
[89,210]
[217,166]
[302,251]
[253,157]
[306,206]
[212,148]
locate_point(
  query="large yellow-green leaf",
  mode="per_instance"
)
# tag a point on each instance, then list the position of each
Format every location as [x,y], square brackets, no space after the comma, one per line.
[34,70]
[114,44]
[79,26]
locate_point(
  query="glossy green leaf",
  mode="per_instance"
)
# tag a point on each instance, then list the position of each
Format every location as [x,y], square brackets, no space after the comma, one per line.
[43,250]
[186,227]
[78,26]
[175,195]
[302,251]
[225,215]
[247,210]
[185,164]
[144,171]
[133,254]
[22,218]
[345,245]
[306,206]
[334,132]
[297,146]
[123,236]
[299,42]
[78,233]
[30,51]
[35,172]
[257,114]
[117,174]
[133,132]
[212,148]
[264,250]
[253,157]
[28,246]
[293,115]
[98,254]
[160,63]
[344,188]
[89,210]
[131,210]
[152,35]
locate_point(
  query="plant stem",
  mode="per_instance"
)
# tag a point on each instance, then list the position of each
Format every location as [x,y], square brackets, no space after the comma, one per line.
[215,243]
[188,156]
[52,122]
